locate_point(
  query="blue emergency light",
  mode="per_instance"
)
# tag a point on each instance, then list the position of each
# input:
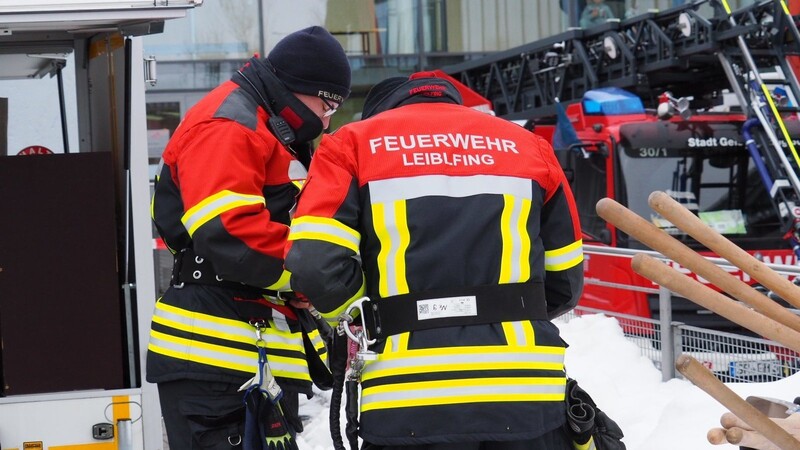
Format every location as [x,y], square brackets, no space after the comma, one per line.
[611,101]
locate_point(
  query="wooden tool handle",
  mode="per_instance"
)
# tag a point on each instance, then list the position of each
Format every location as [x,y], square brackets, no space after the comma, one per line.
[719,244]
[705,380]
[706,297]
[716,436]
[647,233]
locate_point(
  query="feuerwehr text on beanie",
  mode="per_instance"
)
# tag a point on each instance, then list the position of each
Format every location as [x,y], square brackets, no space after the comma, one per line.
[312,62]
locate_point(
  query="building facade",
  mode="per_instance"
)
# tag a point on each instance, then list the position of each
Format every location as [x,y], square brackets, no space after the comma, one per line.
[382,38]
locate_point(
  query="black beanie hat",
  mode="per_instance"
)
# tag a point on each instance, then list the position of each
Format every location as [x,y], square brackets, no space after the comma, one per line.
[379,93]
[420,87]
[312,62]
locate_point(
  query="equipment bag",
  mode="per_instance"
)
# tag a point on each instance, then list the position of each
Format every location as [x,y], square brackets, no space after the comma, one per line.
[589,427]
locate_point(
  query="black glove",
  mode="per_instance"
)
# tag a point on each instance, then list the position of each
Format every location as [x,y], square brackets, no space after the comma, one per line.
[586,421]
[265,427]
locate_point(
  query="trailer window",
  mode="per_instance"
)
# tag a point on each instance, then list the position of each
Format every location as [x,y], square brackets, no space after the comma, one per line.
[31,117]
[162,120]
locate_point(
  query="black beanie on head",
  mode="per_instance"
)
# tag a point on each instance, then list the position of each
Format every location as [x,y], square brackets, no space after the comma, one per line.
[379,93]
[420,87]
[312,62]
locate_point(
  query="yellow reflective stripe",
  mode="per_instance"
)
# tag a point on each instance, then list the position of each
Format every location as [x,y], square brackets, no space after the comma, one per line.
[589,445]
[225,357]
[455,391]
[227,329]
[326,230]
[473,351]
[391,227]
[319,345]
[726,6]
[419,361]
[202,352]
[511,334]
[203,324]
[781,124]
[283,282]
[378,370]
[530,335]
[401,218]
[333,316]
[506,258]
[215,205]
[786,8]
[564,258]
[519,333]
[402,341]
[525,241]
[379,224]
[515,258]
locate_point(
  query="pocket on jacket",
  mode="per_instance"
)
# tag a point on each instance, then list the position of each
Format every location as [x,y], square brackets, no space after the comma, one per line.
[217,423]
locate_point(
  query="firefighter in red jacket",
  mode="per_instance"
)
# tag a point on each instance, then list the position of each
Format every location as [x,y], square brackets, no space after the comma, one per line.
[462,231]
[222,200]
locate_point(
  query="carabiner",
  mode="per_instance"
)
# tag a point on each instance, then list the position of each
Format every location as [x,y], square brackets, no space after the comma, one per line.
[259,325]
[363,340]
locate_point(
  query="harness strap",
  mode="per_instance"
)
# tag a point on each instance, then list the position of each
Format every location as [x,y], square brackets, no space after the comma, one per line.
[476,305]
[351,411]
[191,268]
[338,363]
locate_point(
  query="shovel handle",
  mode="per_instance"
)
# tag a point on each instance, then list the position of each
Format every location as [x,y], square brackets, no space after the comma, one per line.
[705,380]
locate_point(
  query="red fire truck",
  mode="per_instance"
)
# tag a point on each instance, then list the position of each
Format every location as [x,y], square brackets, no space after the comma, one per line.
[698,101]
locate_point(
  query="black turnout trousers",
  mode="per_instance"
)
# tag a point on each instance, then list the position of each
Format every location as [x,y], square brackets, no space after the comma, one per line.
[209,415]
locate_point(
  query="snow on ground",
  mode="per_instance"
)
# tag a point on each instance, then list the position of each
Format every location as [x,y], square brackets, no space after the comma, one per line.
[653,414]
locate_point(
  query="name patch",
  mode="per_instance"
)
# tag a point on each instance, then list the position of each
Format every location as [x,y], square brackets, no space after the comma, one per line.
[439,308]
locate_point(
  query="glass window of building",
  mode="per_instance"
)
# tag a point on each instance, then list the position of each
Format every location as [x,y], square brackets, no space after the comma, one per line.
[382,38]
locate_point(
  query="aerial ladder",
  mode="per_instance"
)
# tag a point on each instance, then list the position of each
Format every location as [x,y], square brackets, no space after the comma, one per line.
[666,58]
[764,39]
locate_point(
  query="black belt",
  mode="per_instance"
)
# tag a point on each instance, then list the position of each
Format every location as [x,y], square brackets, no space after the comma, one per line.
[454,307]
[190,268]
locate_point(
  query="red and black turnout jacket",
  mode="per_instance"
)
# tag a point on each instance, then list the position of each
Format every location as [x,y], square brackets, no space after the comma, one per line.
[225,190]
[431,196]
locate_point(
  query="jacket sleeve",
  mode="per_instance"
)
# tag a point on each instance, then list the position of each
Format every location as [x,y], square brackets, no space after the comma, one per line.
[221,174]
[323,250]
[561,237]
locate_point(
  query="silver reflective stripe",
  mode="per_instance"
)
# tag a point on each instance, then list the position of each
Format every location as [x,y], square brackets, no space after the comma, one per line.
[187,321]
[392,250]
[277,336]
[341,234]
[215,355]
[519,331]
[515,205]
[564,258]
[225,357]
[412,363]
[297,171]
[384,191]
[442,390]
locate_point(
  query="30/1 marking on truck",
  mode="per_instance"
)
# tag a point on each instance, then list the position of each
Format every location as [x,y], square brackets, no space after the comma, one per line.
[652,152]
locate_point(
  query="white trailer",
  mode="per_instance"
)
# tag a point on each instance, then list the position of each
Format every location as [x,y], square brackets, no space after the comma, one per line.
[76,244]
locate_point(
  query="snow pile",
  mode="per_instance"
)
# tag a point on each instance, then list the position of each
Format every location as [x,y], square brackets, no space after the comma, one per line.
[653,414]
